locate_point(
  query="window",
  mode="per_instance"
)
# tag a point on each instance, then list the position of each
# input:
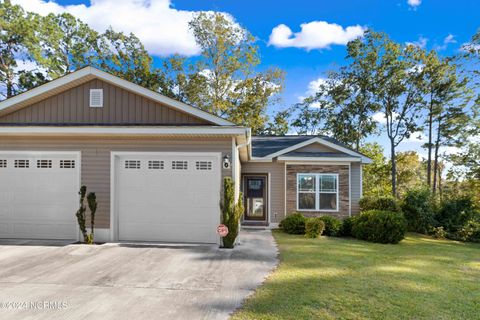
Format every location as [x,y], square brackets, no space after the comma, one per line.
[3,163]
[67,164]
[179,165]
[317,192]
[132,164]
[155,164]
[203,165]
[96,98]
[44,164]
[22,163]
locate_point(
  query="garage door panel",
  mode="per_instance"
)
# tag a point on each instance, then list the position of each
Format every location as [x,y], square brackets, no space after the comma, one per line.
[166,204]
[39,202]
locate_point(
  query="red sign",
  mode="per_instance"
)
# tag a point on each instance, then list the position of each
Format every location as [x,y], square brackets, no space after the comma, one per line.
[222,230]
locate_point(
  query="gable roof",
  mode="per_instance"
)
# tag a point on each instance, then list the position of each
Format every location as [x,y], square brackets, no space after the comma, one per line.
[269,147]
[88,73]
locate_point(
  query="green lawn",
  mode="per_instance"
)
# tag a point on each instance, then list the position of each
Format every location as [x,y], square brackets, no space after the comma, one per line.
[339,278]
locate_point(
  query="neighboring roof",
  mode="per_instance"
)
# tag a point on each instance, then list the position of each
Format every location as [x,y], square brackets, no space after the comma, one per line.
[88,73]
[273,146]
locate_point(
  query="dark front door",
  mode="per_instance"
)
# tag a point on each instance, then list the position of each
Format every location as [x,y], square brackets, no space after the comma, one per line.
[255,194]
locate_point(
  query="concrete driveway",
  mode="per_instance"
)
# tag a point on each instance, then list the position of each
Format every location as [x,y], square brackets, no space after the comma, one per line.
[119,281]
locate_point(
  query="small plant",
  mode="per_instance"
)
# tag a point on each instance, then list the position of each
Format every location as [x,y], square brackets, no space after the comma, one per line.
[380,226]
[418,209]
[314,227]
[332,226]
[293,224]
[231,213]
[439,233]
[346,228]
[386,203]
[82,211]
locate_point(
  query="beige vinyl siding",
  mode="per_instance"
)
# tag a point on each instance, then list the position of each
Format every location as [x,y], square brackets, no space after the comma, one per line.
[276,185]
[96,156]
[355,181]
[316,147]
[119,107]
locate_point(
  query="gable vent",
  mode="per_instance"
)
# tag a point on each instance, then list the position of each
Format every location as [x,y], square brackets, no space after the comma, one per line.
[96,98]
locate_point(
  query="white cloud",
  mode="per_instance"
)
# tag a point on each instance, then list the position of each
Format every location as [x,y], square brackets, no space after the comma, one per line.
[162,29]
[414,3]
[417,137]
[448,40]
[421,42]
[314,35]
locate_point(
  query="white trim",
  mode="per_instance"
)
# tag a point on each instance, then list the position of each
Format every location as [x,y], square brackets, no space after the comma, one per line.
[349,190]
[269,211]
[313,163]
[92,92]
[285,191]
[257,159]
[333,159]
[114,130]
[361,180]
[114,227]
[263,175]
[321,141]
[317,191]
[90,71]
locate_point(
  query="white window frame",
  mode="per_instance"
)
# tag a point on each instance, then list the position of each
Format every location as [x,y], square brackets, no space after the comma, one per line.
[317,191]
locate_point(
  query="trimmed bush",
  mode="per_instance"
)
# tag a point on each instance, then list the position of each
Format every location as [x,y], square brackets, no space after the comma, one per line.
[417,208]
[314,227]
[81,214]
[455,213]
[293,224]
[231,212]
[385,203]
[332,226]
[346,228]
[380,226]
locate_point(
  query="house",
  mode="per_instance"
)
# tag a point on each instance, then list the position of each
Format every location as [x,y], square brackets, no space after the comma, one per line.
[155,164]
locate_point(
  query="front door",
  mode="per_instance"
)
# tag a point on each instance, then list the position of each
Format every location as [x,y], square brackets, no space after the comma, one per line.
[255,198]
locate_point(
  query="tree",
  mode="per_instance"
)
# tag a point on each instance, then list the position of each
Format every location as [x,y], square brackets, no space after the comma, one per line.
[125,56]
[376,176]
[278,126]
[18,47]
[396,88]
[310,115]
[445,97]
[67,44]
[223,80]
[410,171]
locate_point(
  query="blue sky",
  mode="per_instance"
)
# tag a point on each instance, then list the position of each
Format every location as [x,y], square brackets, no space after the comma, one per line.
[162,26]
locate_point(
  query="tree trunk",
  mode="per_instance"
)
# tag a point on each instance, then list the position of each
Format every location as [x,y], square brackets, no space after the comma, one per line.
[440,181]
[394,168]
[429,159]
[435,161]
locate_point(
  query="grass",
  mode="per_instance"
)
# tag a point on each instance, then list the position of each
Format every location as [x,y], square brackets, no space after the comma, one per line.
[340,278]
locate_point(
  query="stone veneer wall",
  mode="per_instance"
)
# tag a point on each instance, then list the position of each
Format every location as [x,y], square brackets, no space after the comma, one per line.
[343,202]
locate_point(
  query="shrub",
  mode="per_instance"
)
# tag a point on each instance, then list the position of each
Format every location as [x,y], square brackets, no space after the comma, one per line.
[332,225]
[386,203]
[439,233]
[454,213]
[81,214]
[417,208]
[380,226]
[293,224]
[314,227]
[231,212]
[469,232]
[346,228]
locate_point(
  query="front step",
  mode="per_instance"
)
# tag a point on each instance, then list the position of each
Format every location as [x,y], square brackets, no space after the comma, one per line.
[254,223]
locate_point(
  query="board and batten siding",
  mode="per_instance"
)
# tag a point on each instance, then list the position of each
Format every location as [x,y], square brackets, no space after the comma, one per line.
[120,106]
[276,184]
[96,157]
[355,180]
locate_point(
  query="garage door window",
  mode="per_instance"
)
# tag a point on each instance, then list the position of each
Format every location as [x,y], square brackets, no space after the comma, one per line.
[203,165]
[155,164]
[22,164]
[3,163]
[67,164]
[44,164]
[179,165]
[132,164]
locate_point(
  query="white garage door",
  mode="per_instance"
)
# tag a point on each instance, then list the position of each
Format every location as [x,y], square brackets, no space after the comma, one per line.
[38,195]
[171,197]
